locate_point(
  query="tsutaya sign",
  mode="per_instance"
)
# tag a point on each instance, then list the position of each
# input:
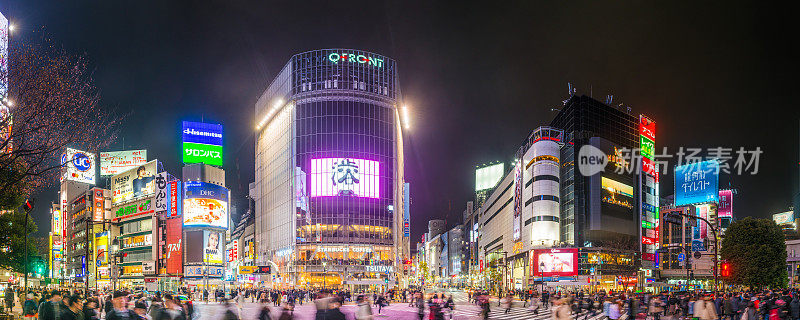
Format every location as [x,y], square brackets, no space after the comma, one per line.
[352,57]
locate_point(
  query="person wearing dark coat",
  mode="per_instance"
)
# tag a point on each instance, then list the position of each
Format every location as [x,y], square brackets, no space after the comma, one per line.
[794,309]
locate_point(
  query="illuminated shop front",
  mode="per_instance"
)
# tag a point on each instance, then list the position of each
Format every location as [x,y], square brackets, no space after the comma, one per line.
[330,134]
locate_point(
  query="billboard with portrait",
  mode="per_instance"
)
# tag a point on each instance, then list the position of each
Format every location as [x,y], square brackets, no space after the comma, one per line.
[136,183]
[78,166]
[205,205]
[697,183]
[345,177]
[555,262]
[213,247]
[115,162]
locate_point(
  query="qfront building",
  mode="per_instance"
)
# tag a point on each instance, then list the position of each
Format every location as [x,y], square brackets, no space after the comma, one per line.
[329,187]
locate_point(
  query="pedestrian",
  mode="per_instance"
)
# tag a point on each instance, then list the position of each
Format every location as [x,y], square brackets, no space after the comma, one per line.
[505,303]
[333,313]
[364,310]
[90,309]
[171,310]
[140,308]
[49,309]
[74,309]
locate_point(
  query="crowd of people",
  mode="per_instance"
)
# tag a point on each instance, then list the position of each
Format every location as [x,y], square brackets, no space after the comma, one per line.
[562,305]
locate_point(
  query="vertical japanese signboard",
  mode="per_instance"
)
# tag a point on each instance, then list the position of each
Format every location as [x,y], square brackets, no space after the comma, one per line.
[162,193]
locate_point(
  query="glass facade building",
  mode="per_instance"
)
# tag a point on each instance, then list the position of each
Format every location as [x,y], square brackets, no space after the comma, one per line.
[585,220]
[329,172]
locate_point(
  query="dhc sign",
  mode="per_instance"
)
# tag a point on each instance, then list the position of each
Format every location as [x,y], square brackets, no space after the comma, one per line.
[351,57]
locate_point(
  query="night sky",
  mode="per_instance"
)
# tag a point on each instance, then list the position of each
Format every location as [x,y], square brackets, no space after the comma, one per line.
[477,78]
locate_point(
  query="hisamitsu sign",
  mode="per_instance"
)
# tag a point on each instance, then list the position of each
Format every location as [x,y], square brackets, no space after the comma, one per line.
[697,183]
[202,142]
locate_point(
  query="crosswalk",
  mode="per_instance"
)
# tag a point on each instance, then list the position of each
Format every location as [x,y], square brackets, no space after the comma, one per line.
[517,313]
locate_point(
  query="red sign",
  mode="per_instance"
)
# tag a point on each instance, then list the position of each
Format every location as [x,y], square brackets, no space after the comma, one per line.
[648,166]
[233,254]
[725,208]
[648,256]
[648,240]
[174,250]
[555,262]
[481,268]
[647,127]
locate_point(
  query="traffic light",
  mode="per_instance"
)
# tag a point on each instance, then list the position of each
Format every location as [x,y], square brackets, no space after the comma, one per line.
[29,205]
[725,269]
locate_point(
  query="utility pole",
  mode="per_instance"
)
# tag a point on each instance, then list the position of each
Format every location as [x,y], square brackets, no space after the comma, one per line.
[28,208]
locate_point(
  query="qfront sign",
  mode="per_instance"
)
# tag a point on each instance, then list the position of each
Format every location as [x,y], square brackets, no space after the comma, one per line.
[202,142]
[336,58]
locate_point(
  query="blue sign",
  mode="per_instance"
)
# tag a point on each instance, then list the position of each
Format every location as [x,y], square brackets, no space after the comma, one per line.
[205,133]
[681,257]
[697,245]
[82,162]
[697,183]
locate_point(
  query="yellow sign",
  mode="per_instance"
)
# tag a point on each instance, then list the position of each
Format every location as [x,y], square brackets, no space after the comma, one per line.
[247,269]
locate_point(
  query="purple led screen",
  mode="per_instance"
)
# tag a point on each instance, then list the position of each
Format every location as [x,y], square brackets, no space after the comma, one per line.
[345,177]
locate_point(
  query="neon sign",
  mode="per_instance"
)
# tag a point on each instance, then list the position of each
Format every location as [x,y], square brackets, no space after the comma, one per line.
[351,57]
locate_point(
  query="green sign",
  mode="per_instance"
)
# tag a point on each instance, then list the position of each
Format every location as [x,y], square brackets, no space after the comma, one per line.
[199,152]
[648,147]
[134,209]
[647,224]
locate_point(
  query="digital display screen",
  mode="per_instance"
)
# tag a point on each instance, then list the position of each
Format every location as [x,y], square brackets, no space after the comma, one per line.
[205,205]
[556,262]
[697,183]
[345,177]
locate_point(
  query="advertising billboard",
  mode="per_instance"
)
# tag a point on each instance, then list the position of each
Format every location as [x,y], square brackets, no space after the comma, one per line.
[489,177]
[136,183]
[725,207]
[78,166]
[99,205]
[175,196]
[213,247]
[555,262]
[784,218]
[101,249]
[134,209]
[205,205]
[56,226]
[174,250]
[697,183]
[3,56]
[202,142]
[194,251]
[116,162]
[162,193]
[345,177]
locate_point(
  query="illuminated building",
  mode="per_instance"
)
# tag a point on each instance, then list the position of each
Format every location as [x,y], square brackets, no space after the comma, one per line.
[329,172]
[541,188]
[593,214]
[85,239]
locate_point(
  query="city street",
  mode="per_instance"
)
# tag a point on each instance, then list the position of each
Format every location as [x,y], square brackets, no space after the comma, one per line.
[464,310]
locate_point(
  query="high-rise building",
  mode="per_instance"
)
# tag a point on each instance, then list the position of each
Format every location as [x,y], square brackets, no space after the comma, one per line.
[590,217]
[329,172]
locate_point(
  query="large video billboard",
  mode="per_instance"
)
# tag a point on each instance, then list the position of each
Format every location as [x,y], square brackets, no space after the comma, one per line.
[784,218]
[136,183]
[697,183]
[345,177]
[115,162]
[488,177]
[205,205]
[555,262]
[77,166]
[202,142]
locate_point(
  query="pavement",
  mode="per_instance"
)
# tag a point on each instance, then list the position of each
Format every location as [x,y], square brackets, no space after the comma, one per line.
[396,311]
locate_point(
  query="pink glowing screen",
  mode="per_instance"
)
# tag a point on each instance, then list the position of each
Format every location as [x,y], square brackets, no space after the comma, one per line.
[344,177]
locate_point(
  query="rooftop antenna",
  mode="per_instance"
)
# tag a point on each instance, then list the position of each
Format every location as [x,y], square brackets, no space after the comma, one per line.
[609,99]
